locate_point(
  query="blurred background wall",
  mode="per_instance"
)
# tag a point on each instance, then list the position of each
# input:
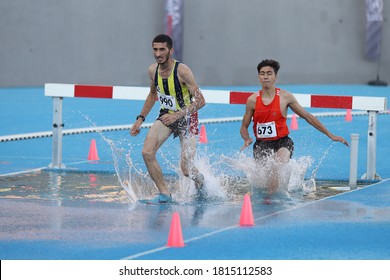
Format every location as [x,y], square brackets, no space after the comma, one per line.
[109,41]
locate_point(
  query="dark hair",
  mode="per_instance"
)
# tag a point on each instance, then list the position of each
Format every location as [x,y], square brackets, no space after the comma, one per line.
[269,62]
[163,38]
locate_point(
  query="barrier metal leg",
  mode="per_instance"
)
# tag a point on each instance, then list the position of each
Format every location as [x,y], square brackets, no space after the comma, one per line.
[57,134]
[353,162]
[371,147]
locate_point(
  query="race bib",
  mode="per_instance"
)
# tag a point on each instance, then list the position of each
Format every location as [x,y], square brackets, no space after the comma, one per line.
[266,130]
[167,101]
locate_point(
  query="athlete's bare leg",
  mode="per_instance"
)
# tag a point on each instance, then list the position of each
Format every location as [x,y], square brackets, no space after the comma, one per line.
[188,152]
[282,157]
[156,136]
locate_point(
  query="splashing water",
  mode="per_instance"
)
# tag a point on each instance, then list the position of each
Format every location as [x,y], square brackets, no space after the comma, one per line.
[226,178]
[310,185]
[291,177]
[123,177]
[313,175]
[136,183]
[298,171]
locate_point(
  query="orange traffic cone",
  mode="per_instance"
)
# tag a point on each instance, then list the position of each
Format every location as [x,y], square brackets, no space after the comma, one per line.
[175,237]
[348,116]
[246,218]
[294,122]
[93,154]
[203,135]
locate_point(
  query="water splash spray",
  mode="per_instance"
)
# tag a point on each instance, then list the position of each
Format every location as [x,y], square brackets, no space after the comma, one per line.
[310,185]
[133,180]
[226,178]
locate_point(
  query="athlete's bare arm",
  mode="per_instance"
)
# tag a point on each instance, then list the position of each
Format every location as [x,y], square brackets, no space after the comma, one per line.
[149,102]
[300,111]
[246,120]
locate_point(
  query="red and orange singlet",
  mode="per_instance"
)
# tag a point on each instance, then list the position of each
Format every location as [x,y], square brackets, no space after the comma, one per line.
[268,121]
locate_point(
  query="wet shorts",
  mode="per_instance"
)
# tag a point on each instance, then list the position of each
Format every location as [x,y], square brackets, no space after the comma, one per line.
[262,149]
[184,125]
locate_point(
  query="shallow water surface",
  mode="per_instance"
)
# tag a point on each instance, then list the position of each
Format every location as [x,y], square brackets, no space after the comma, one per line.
[46,185]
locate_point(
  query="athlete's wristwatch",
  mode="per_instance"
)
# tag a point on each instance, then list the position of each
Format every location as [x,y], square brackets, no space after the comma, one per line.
[140,116]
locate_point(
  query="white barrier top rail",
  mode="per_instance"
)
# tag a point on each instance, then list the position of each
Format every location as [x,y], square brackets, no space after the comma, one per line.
[215,96]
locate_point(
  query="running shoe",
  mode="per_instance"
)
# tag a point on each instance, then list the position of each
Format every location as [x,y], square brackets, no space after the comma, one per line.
[159,199]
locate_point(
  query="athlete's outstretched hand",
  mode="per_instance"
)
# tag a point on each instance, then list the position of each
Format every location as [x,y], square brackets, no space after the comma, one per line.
[340,139]
[247,143]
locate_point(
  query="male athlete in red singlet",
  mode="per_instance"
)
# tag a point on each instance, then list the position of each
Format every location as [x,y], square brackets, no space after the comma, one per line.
[268,110]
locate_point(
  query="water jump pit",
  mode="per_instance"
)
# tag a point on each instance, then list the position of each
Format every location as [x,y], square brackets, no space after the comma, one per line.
[107,188]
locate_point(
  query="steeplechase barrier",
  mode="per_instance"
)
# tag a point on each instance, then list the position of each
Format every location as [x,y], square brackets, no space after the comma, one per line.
[372,105]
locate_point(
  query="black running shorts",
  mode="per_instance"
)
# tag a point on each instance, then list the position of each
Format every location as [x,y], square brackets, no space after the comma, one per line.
[263,149]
